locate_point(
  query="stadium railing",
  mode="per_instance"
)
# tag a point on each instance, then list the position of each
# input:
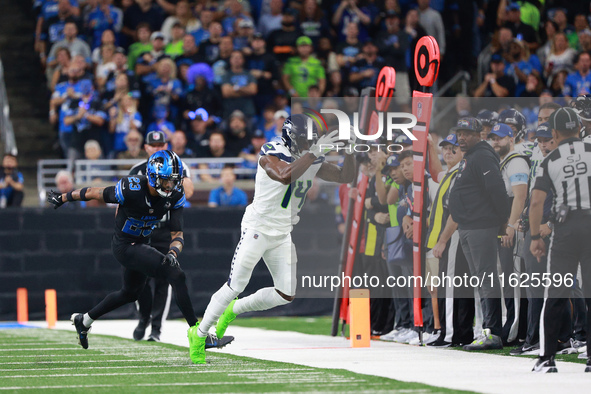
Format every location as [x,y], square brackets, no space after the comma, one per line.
[6,130]
[106,172]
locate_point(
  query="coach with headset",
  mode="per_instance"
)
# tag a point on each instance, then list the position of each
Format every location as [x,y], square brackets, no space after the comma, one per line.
[566,172]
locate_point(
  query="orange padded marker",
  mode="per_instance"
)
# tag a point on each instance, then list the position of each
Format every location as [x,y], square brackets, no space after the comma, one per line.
[359,317]
[22,305]
[50,307]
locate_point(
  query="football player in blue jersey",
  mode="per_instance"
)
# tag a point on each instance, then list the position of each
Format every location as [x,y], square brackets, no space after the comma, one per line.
[143,201]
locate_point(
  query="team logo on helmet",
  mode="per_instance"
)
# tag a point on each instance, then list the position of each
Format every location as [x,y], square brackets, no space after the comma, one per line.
[164,171]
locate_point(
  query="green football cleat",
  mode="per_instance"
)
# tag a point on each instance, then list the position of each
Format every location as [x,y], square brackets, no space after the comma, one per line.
[196,345]
[225,319]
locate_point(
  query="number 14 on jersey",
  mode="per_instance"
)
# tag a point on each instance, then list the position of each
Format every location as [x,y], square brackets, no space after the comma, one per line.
[299,192]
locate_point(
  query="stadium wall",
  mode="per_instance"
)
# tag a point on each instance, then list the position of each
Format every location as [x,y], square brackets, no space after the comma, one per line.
[70,251]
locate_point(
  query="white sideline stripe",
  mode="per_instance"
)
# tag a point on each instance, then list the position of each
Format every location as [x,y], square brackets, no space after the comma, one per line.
[135,373]
[171,384]
[33,343]
[74,347]
[92,361]
[43,348]
[289,370]
[107,354]
[90,368]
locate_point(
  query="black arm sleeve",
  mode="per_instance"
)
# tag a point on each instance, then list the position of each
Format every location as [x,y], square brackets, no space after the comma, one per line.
[176,220]
[109,195]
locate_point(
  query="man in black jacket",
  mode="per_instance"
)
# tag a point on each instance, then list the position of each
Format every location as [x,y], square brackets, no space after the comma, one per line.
[480,206]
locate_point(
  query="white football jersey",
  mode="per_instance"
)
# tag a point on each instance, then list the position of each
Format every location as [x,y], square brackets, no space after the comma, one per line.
[275,208]
[536,159]
[525,148]
[514,172]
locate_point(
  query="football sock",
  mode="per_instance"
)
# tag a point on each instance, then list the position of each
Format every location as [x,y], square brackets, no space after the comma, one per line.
[86,320]
[217,305]
[112,302]
[262,300]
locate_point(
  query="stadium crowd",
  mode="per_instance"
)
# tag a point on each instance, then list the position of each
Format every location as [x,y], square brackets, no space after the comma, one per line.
[228,68]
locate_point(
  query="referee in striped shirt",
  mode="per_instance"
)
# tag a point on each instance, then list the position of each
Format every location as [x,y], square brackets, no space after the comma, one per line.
[566,172]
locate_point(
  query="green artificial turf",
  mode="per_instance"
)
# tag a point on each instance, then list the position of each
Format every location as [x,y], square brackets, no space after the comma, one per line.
[35,360]
[306,325]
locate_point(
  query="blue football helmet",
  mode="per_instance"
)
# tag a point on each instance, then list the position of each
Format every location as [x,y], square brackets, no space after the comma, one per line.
[513,117]
[165,172]
[488,118]
[295,134]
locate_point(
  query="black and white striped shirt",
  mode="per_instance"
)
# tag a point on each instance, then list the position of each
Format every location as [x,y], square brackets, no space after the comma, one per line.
[566,172]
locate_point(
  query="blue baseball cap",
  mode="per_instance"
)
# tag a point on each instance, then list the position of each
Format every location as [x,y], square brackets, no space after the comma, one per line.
[513,7]
[450,139]
[403,139]
[544,130]
[392,161]
[502,130]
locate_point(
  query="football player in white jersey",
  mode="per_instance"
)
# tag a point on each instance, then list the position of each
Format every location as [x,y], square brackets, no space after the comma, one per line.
[285,173]
[516,121]
[537,155]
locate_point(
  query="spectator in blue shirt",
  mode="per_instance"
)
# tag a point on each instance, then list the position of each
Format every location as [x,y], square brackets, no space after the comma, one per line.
[273,132]
[364,72]
[161,122]
[11,183]
[206,18]
[60,106]
[227,195]
[50,9]
[347,12]
[579,82]
[104,17]
[52,29]
[251,153]
[165,88]
[234,12]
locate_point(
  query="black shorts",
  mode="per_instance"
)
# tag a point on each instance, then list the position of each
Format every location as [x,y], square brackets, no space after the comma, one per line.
[138,257]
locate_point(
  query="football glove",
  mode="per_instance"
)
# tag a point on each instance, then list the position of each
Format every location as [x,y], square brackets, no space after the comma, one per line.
[326,143]
[351,142]
[55,199]
[170,259]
